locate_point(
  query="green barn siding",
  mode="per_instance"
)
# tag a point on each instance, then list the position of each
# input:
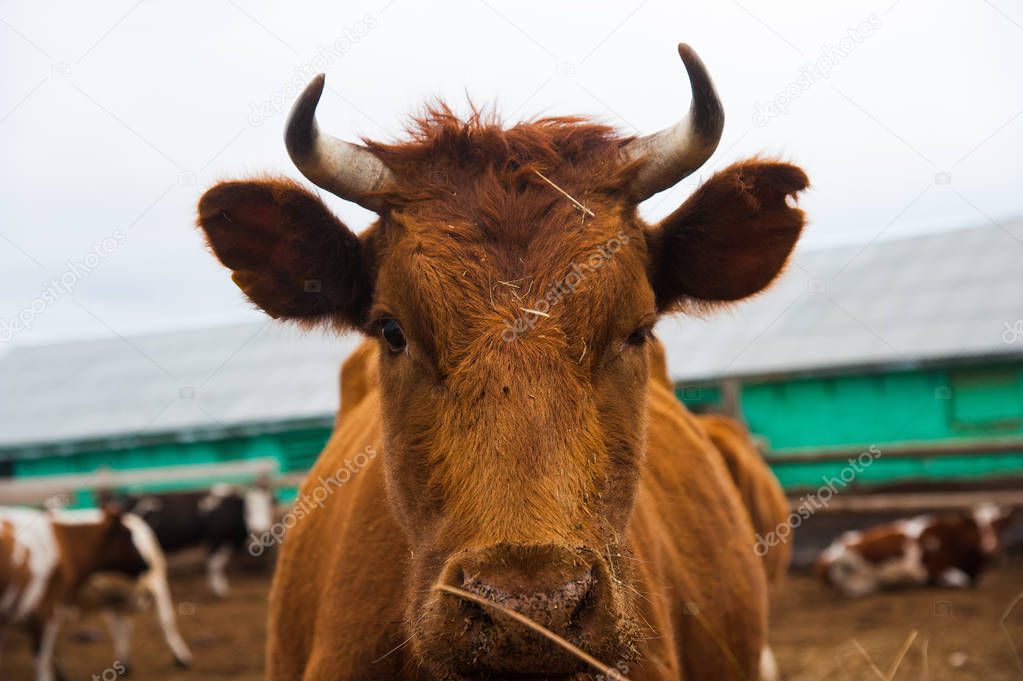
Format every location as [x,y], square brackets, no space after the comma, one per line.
[294,450]
[925,406]
[850,410]
[859,410]
[989,398]
[961,468]
[698,397]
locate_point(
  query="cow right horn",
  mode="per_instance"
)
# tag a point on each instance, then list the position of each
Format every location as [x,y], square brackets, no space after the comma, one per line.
[674,153]
[348,170]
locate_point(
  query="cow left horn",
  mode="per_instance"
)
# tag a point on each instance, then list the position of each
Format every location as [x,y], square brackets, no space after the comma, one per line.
[674,153]
[349,170]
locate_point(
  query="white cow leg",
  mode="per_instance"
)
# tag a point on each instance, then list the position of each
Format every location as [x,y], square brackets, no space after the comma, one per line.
[216,565]
[120,627]
[768,665]
[157,583]
[45,667]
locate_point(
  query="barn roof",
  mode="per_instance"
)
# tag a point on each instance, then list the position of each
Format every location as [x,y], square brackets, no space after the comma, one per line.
[194,381]
[902,303]
[906,302]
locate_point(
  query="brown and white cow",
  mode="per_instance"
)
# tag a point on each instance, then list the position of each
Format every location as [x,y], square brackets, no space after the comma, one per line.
[525,455]
[118,596]
[941,549]
[44,561]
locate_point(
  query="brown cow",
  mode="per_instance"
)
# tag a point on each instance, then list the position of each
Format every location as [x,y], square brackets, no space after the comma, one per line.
[524,453]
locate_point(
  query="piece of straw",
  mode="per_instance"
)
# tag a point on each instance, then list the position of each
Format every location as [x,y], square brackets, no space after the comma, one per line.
[923,655]
[902,654]
[1005,615]
[870,661]
[566,194]
[611,672]
[536,312]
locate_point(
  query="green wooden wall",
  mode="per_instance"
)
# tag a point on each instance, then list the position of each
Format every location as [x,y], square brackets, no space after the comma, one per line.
[294,450]
[975,404]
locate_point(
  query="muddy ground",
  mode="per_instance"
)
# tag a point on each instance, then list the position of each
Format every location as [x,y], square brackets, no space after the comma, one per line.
[814,633]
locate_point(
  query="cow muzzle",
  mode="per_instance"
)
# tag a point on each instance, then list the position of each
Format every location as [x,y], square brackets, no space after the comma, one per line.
[570,593]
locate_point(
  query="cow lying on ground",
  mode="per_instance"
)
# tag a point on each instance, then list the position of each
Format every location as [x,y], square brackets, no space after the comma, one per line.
[118,596]
[942,549]
[222,520]
[45,560]
[525,454]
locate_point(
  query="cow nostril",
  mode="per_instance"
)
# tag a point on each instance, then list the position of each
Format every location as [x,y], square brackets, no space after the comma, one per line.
[475,616]
[574,606]
[587,602]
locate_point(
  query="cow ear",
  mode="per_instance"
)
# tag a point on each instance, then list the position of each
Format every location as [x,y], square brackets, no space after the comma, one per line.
[287,251]
[730,239]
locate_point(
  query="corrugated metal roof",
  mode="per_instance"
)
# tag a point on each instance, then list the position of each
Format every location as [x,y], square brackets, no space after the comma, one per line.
[897,302]
[212,378]
[956,294]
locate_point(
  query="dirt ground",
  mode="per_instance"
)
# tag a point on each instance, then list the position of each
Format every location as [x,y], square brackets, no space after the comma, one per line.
[226,638]
[814,634]
[960,634]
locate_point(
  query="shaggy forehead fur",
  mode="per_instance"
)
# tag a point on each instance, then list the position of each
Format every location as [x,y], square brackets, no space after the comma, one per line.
[453,149]
[477,220]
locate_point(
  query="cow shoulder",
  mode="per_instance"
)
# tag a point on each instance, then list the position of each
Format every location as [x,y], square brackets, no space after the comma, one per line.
[685,478]
[340,571]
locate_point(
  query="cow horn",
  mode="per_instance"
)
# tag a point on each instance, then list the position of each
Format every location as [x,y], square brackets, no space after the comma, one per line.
[674,153]
[349,170]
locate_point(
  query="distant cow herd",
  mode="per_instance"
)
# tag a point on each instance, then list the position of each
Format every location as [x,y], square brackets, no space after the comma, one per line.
[112,560]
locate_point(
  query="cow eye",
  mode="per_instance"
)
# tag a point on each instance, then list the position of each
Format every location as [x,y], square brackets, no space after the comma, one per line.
[639,336]
[392,334]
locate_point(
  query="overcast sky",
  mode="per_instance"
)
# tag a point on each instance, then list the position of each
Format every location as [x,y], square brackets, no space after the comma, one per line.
[115,116]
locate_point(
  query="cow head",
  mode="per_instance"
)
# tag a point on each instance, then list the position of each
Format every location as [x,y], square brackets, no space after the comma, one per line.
[512,287]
